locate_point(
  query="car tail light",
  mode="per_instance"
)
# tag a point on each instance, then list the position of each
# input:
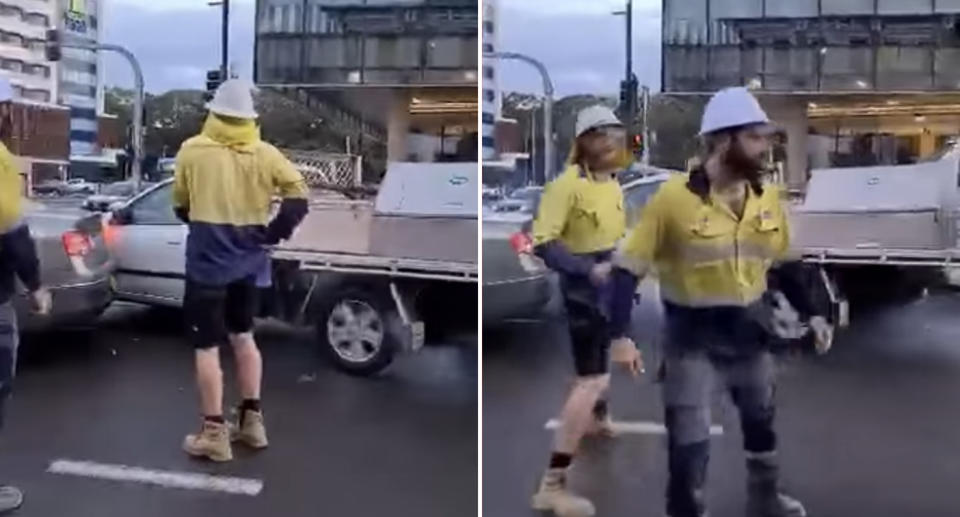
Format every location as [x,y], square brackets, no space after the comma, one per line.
[521,243]
[76,244]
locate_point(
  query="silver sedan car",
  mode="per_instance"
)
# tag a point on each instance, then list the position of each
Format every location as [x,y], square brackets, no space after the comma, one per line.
[74,265]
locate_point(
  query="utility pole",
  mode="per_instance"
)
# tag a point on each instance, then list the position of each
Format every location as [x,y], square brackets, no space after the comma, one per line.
[629,88]
[225,43]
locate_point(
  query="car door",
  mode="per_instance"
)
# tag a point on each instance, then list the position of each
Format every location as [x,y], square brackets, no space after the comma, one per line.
[149,247]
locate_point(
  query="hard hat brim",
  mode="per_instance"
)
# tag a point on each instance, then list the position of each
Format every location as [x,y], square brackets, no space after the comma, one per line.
[762,128]
[226,112]
[617,124]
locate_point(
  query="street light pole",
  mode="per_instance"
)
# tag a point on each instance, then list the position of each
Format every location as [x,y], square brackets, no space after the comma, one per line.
[629,85]
[225,49]
[548,159]
[136,168]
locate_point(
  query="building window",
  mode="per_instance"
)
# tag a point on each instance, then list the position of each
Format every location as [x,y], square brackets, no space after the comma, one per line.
[11,38]
[489,96]
[489,142]
[488,72]
[9,10]
[36,95]
[39,70]
[12,65]
[488,27]
[38,19]
[36,44]
[488,118]
[487,48]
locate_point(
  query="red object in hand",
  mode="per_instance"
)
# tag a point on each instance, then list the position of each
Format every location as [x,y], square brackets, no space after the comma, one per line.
[76,244]
[521,243]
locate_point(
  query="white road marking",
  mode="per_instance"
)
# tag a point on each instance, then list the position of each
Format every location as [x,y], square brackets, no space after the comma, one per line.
[164,478]
[637,428]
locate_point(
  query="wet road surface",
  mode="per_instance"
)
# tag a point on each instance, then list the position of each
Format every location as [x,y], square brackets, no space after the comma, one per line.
[403,444]
[869,430]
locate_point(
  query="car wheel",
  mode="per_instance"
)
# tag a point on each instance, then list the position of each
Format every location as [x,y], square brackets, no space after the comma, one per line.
[353,330]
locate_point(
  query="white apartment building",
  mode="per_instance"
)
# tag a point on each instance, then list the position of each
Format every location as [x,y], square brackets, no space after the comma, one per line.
[23,27]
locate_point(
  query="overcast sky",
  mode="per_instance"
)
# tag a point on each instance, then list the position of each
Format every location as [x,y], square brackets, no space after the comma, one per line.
[580,41]
[176,41]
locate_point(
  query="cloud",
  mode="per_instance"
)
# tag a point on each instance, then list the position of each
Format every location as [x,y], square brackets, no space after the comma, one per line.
[175,45]
[584,52]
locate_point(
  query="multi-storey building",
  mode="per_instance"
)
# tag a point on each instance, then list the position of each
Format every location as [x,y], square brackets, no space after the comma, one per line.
[491,90]
[23,26]
[80,73]
[874,80]
[382,70]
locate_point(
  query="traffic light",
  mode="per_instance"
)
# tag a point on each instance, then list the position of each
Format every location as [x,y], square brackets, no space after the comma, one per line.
[637,145]
[53,47]
[214,80]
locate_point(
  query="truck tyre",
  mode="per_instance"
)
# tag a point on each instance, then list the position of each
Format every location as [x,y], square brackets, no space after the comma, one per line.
[354,329]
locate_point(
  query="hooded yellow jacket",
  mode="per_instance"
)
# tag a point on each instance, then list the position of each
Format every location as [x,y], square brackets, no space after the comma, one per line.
[224,184]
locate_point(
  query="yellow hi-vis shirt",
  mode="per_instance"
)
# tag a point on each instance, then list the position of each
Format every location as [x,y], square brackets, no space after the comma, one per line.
[586,216]
[11,191]
[703,254]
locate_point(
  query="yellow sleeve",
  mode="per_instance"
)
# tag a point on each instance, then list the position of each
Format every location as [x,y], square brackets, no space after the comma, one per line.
[11,191]
[286,178]
[181,190]
[555,205]
[644,242]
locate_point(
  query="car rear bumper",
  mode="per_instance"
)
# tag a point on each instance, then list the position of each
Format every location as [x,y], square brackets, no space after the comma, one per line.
[521,298]
[73,305]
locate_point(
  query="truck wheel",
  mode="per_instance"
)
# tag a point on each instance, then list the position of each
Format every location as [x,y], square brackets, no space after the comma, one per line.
[354,331]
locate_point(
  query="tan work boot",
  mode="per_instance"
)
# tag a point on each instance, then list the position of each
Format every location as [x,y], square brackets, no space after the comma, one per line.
[553,496]
[213,442]
[250,430]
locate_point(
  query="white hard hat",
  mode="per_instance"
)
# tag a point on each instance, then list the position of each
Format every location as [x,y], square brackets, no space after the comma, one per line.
[234,98]
[594,117]
[6,90]
[733,107]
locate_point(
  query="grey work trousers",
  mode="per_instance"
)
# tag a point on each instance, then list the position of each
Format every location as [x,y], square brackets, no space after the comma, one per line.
[9,342]
[690,377]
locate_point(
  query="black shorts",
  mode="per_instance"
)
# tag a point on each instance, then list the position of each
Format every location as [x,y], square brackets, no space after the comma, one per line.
[590,336]
[213,313]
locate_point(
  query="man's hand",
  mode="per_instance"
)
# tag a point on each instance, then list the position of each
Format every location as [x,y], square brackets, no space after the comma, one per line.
[600,274]
[823,334]
[624,351]
[41,303]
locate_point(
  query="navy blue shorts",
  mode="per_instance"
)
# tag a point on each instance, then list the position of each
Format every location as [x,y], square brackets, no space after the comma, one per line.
[214,312]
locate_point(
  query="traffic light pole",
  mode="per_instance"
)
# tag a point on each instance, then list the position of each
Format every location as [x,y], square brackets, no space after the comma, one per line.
[225,49]
[136,168]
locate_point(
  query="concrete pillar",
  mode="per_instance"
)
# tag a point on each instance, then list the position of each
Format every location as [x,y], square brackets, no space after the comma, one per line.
[928,143]
[398,127]
[791,115]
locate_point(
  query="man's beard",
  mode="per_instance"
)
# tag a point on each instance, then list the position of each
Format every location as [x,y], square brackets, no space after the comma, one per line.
[742,166]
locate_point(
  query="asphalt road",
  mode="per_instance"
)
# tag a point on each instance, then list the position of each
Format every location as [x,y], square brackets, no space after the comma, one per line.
[868,430]
[402,444]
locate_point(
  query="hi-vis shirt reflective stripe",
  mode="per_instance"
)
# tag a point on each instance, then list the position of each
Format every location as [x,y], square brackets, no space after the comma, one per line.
[702,253]
[585,215]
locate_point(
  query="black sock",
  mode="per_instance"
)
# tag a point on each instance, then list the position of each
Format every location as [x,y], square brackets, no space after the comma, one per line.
[559,460]
[217,419]
[600,410]
[251,404]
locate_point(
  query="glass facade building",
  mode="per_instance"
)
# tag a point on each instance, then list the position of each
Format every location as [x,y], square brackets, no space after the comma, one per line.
[367,42]
[811,45]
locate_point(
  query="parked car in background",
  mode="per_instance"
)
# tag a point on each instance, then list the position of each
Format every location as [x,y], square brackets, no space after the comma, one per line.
[112,195]
[74,264]
[77,186]
[516,284]
[523,200]
[49,188]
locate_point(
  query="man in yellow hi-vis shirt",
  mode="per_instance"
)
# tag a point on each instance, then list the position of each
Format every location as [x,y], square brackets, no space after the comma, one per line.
[712,237]
[224,184]
[577,228]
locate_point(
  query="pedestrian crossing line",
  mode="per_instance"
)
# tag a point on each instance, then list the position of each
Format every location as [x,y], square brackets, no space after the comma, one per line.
[636,427]
[163,478]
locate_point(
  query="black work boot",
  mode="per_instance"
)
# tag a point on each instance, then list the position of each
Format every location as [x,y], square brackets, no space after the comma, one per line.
[764,498]
[688,476]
